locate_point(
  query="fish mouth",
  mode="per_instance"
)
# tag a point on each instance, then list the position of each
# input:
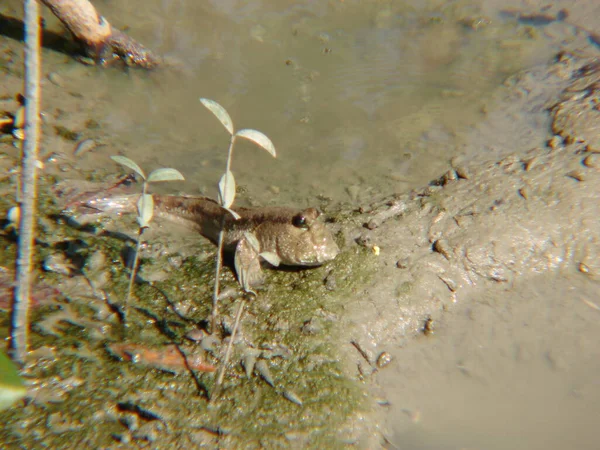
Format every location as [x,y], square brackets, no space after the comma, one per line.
[321,257]
[327,254]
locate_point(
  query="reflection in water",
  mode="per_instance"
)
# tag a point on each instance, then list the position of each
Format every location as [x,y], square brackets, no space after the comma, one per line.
[377,95]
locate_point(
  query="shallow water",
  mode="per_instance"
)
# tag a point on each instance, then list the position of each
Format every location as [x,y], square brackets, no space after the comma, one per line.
[360,98]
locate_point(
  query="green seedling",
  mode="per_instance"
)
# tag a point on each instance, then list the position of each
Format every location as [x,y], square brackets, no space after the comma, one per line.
[226,198]
[12,387]
[226,195]
[145,205]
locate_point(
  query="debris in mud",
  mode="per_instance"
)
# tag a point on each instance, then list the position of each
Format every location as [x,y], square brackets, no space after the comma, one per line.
[169,358]
[428,328]
[52,324]
[383,360]
[576,117]
[58,263]
[41,292]
[52,390]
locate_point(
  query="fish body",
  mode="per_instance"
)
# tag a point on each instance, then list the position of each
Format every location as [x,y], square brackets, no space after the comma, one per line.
[284,235]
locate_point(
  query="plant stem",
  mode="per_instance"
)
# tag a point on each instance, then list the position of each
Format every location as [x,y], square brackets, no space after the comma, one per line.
[229,156]
[135,263]
[20,321]
[137,253]
[219,264]
[238,316]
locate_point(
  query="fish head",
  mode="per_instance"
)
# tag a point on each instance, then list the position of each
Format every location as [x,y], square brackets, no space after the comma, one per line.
[305,241]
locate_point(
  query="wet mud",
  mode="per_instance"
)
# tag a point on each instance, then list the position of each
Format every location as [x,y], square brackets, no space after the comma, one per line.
[322,351]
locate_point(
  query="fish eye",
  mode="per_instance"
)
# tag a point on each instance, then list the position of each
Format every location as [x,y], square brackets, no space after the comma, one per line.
[299,221]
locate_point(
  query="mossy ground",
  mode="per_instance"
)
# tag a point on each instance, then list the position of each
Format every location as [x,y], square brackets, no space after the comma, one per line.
[82,393]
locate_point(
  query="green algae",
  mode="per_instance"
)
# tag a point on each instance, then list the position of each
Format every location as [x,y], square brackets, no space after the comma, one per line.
[247,412]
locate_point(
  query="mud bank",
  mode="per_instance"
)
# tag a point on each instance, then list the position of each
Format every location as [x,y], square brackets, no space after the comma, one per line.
[483,237]
[486,226]
[409,260]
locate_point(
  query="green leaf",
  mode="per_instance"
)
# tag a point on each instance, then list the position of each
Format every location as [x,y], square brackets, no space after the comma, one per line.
[11,384]
[123,160]
[13,215]
[219,112]
[259,139]
[145,210]
[165,174]
[227,189]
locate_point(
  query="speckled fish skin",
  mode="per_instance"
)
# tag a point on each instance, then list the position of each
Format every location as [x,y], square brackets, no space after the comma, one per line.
[311,244]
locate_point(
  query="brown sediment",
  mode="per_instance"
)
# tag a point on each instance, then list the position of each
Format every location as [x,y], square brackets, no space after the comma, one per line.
[169,357]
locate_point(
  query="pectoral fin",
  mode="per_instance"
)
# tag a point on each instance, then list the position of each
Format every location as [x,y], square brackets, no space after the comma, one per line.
[247,265]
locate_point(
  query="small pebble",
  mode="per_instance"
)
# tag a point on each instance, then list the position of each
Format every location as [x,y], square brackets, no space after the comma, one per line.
[592,161]
[402,263]
[19,119]
[428,328]
[383,360]
[209,343]
[84,146]
[330,282]
[442,247]
[583,268]
[292,397]
[14,215]
[53,157]
[57,263]
[524,192]
[19,134]
[555,142]
[311,327]
[56,79]
[196,335]
[262,369]
[449,176]
[462,172]
[576,175]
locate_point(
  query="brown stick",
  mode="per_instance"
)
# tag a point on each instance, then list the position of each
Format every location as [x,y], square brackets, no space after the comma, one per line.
[100,40]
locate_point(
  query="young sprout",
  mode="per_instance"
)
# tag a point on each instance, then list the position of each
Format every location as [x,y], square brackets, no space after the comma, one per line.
[226,198]
[145,205]
[226,194]
[12,387]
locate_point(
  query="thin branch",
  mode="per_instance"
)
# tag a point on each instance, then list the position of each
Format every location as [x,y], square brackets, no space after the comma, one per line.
[100,40]
[221,375]
[219,265]
[20,321]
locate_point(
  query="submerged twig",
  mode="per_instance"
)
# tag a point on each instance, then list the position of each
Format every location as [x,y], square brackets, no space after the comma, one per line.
[20,322]
[100,40]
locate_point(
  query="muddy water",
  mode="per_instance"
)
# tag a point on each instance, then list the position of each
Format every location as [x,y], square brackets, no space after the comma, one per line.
[511,370]
[360,98]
